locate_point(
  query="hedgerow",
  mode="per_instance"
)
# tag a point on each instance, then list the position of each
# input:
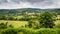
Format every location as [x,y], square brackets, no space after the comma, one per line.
[30,31]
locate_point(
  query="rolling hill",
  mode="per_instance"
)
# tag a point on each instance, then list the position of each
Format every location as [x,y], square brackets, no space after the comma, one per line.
[23,10]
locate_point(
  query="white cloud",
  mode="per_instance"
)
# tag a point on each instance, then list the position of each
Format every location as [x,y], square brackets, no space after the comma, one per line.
[44,4]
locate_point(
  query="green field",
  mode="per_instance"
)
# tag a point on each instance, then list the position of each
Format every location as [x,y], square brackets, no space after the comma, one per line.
[16,24]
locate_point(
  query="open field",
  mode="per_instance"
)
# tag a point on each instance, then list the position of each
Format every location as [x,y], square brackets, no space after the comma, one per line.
[15,23]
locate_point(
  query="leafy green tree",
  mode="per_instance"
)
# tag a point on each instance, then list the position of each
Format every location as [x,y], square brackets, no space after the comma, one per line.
[47,19]
[33,24]
[11,18]
[5,25]
[3,17]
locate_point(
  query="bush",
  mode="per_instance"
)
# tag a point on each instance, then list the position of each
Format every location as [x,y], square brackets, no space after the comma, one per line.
[11,18]
[10,31]
[31,31]
[33,24]
[3,26]
[47,31]
[40,31]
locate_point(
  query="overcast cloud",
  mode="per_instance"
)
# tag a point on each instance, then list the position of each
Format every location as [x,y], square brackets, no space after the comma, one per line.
[43,4]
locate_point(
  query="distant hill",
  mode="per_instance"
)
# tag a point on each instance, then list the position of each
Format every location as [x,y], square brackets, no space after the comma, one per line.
[23,10]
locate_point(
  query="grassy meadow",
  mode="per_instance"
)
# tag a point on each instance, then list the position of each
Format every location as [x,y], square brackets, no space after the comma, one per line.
[16,24]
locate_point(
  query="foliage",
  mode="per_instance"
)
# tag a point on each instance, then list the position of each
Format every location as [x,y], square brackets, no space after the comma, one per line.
[33,24]
[4,25]
[47,19]
[3,18]
[31,31]
[9,31]
[11,18]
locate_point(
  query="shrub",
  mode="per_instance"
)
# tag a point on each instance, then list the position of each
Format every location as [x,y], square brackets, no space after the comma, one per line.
[40,31]
[9,31]
[34,23]
[47,31]
[31,31]
[3,26]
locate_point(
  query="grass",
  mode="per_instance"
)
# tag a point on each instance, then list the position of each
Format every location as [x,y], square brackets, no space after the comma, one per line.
[16,24]
[57,22]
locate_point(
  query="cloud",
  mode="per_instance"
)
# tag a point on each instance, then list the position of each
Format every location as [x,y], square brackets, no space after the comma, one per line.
[43,4]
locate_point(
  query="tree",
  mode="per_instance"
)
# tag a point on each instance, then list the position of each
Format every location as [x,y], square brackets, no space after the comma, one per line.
[3,17]
[47,19]
[5,25]
[11,18]
[33,24]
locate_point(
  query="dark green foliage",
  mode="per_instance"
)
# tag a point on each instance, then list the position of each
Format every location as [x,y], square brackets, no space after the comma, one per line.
[10,31]
[47,31]
[47,19]
[22,19]
[3,26]
[11,18]
[11,26]
[3,18]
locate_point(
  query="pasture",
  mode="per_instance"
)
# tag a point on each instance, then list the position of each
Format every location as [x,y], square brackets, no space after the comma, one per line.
[16,24]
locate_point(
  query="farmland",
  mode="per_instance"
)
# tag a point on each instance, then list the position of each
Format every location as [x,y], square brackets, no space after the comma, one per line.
[30,21]
[16,24]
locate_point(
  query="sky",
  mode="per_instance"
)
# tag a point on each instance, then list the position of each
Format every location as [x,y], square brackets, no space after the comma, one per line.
[17,4]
